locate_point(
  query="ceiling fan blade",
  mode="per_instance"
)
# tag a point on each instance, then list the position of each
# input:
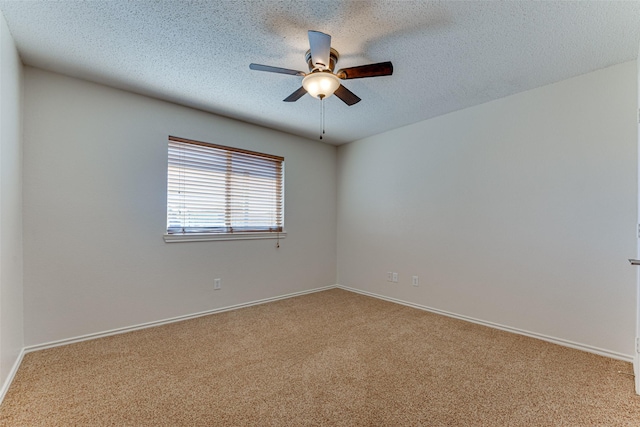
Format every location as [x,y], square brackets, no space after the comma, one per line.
[320,44]
[370,70]
[346,95]
[260,67]
[295,95]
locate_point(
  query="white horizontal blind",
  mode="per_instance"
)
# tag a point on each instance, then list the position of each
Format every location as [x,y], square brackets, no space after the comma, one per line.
[217,189]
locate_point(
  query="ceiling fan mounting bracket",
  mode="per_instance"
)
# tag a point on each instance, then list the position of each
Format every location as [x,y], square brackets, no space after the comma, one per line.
[333,60]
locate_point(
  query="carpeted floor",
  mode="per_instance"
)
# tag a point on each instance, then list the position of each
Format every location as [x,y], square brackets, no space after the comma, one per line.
[332,358]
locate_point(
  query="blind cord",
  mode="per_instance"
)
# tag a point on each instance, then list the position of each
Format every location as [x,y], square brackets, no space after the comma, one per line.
[182,190]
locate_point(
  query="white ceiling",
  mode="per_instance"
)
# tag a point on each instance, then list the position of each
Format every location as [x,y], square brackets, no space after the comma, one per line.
[446,55]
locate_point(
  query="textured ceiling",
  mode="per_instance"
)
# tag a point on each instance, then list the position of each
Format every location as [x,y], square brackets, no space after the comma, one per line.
[446,55]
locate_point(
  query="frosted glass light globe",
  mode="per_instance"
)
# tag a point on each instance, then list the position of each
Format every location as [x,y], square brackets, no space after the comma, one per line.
[321,84]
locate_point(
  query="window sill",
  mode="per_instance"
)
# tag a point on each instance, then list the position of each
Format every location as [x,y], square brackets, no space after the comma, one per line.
[206,237]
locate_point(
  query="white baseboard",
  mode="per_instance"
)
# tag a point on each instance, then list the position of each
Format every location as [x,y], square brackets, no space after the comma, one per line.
[11,376]
[58,343]
[126,329]
[636,374]
[559,341]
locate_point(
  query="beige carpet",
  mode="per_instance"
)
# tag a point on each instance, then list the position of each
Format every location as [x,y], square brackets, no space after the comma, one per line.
[332,358]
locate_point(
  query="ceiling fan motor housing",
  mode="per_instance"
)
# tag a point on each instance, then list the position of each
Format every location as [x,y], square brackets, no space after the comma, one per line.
[333,60]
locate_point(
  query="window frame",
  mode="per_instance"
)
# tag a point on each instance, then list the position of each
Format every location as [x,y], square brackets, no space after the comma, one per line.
[278,233]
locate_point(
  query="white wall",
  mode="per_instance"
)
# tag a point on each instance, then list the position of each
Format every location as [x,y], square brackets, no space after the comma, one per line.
[521,211]
[11,336]
[95,213]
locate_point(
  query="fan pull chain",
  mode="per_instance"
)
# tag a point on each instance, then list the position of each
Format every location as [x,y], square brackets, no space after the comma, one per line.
[321,116]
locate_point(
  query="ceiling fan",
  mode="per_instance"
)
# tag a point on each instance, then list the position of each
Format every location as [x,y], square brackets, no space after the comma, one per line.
[321,82]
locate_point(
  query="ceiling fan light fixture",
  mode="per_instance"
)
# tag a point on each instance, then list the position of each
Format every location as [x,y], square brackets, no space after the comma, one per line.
[321,84]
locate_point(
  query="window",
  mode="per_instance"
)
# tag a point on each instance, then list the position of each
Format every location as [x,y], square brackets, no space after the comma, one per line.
[214,190]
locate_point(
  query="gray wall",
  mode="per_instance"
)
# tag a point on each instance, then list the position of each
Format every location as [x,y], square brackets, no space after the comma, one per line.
[520,211]
[95,213]
[11,316]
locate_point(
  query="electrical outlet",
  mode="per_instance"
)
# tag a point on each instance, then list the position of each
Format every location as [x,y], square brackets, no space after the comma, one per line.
[389,276]
[217,284]
[415,281]
[394,278]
